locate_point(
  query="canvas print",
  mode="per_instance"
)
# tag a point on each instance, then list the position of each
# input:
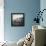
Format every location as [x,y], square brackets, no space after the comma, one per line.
[17,19]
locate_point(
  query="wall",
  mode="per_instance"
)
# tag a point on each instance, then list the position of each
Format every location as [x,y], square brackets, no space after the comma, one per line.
[1,20]
[29,7]
[43,6]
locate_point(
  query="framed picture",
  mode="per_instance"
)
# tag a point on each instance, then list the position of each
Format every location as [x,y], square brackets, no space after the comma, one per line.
[17,19]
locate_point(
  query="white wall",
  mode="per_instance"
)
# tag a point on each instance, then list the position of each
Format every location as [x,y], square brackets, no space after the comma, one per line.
[43,6]
[1,20]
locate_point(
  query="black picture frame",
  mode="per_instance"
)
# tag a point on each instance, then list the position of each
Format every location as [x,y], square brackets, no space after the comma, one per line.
[17,19]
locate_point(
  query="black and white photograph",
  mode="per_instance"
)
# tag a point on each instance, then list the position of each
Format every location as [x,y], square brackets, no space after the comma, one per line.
[17,19]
